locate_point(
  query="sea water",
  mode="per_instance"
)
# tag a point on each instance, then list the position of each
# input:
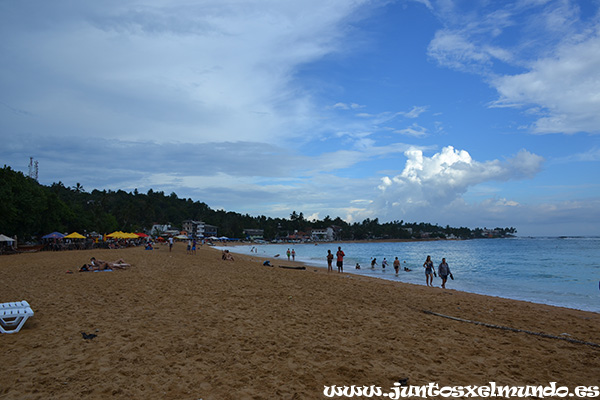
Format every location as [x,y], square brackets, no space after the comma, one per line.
[557,271]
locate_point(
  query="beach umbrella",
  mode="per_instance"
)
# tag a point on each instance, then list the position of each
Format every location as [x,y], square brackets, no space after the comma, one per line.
[114,234]
[120,235]
[74,235]
[143,235]
[181,237]
[53,235]
[4,238]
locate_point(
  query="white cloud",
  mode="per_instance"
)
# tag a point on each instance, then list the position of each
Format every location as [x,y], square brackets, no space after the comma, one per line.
[415,112]
[413,130]
[345,106]
[566,87]
[554,42]
[437,181]
[452,49]
[426,3]
[168,72]
[591,155]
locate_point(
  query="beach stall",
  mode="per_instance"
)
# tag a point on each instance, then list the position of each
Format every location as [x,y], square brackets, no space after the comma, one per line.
[122,238]
[53,235]
[6,244]
[74,241]
[74,235]
[4,238]
[53,241]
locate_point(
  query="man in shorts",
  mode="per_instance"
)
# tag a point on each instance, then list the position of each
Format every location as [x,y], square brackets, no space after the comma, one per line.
[397,265]
[340,259]
[443,272]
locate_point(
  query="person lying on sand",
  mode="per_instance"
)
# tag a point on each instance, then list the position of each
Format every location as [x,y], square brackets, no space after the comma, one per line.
[100,265]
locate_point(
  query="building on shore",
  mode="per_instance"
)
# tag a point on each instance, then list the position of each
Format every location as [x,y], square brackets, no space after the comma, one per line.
[198,228]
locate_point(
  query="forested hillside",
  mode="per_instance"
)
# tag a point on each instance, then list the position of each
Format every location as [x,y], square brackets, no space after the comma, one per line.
[30,210]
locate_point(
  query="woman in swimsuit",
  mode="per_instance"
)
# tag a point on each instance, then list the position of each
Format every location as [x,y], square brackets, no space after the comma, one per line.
[428,265]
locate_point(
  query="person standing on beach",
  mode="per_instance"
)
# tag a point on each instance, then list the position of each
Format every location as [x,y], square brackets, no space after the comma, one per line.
[397,265]
[293,255]
[428,265]
[443,272]
[329,261]
[340,259]
[170,244]
[288,254]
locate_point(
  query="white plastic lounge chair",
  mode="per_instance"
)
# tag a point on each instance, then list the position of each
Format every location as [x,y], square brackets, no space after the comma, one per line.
[13,316]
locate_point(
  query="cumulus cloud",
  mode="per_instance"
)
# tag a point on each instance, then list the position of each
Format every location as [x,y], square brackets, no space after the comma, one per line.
[439,180]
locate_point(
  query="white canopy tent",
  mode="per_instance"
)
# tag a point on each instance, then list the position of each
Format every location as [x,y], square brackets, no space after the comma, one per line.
[4,238]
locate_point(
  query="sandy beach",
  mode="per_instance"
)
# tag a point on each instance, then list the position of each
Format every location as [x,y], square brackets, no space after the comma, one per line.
[178,326]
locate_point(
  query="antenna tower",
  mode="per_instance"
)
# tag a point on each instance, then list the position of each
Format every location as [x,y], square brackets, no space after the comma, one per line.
[33,168]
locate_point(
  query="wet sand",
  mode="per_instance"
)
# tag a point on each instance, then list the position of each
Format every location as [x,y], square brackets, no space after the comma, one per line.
[177,326]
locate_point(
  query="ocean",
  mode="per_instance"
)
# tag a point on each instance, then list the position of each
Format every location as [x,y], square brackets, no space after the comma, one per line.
[549,270]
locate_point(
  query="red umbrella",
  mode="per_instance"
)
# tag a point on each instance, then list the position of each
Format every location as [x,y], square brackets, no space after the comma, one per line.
[141,234]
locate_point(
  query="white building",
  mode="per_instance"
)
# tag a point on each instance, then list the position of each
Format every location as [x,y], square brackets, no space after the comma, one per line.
[326,234]
[160,229]
[198,228]
[254,234]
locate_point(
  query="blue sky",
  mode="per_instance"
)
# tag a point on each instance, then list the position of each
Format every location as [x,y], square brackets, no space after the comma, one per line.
[461,113]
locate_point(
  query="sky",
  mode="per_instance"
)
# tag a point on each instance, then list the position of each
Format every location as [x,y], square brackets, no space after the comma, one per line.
[460,113]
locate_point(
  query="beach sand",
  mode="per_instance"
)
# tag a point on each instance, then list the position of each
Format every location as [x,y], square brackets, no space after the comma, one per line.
[177,326]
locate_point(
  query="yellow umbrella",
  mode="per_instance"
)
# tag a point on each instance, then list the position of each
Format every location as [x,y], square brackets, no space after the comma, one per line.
[116,235]
[74,235]
[122,235]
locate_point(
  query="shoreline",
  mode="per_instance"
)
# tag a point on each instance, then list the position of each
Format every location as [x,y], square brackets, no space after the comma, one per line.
[194,326]
[352,271]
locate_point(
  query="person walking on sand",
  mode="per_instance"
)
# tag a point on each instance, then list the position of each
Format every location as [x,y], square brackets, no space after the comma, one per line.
[340,260]
[293,255]
[288,254]
[170,244]
[329,261]
[397,265]
[443,272]
[428,265]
